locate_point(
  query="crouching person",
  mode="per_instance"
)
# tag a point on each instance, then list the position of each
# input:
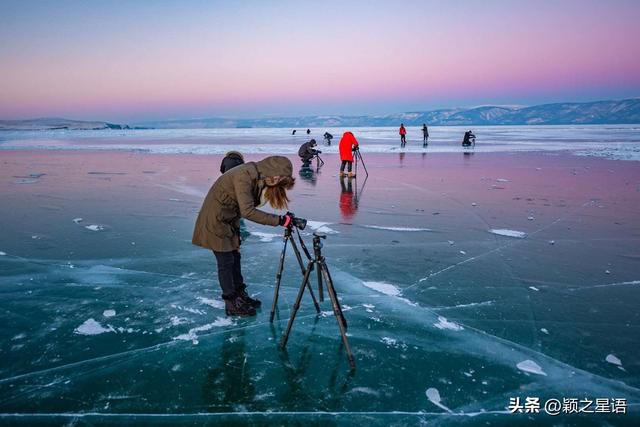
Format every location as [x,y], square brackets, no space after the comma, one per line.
[237,194]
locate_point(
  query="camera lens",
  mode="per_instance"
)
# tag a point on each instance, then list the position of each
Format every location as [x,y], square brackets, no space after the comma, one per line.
[301,223]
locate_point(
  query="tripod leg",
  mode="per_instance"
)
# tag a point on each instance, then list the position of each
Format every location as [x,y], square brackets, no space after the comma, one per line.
[296,305]
[337,310]
[278,279]
[297,252]
[320,285]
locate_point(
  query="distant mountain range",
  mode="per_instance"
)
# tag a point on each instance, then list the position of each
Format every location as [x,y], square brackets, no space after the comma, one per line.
[625,111]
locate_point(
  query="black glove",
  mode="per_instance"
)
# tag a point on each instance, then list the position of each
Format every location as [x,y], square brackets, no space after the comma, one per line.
[318,152]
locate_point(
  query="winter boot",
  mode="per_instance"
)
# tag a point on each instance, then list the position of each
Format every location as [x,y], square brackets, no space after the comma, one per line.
[237,307]
[244,296]
[342,174]
[352,175]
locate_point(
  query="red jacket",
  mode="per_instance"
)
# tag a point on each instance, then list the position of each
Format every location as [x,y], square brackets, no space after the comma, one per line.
[347,142]
[403,131]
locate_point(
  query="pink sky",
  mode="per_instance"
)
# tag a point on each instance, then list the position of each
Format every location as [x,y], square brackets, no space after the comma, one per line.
[124,61]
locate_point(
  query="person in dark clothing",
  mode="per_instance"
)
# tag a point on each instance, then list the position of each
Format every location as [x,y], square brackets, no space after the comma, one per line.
[308,131]
[294,132]
[231,160]
[403,135]
[307,152]
[469,139]
[327,138]
[425,135]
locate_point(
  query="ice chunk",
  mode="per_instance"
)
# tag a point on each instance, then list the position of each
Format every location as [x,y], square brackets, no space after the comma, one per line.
[531,367]
[3,253]
[94,227]
[91,327]
[533,288]
[109,313]
[443,323]
[434,397]
[389,341]
[502,180]
[508,233]
[385,288]
[544,331]
[77,220]
[463,252]
[530,218]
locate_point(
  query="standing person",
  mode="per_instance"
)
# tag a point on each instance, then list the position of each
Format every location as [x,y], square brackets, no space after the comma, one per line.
[231,160]
[403,135]
[348,144]
[425,135]
[237,194]
[293,132]
[308,131]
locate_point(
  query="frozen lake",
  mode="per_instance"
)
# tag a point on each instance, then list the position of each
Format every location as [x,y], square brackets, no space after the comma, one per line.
[467,279]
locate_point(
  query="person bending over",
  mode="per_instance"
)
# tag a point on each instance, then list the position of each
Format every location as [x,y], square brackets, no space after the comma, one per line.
[468,139]
[327,138]
[238,194]
[348,144]
[307,152]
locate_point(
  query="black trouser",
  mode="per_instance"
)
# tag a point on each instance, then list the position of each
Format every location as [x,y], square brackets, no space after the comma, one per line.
[347,163]
[403,140]
[229,273]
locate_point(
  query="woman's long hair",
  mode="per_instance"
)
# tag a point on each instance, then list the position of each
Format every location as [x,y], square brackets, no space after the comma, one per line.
[276,190]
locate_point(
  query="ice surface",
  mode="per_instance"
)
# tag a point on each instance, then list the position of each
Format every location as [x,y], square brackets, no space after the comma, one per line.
[265,237]
[321,227]
[508,233]
[3,253]
[91,327]
[406,229]
[531,367]
[212,302]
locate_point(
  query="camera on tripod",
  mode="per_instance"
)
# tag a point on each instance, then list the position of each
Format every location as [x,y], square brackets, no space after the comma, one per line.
[300,223]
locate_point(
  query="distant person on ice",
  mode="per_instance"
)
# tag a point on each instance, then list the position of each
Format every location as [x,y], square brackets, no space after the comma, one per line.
[307,152]
[294,132]
[348,144]
[327,138]
[425,135]
[403,135]
[237,194]
[231,160]
[308,131]
[468,139]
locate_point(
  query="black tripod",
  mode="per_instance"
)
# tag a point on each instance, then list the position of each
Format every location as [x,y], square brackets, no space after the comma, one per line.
[318,263]
[288,233]
[357,156]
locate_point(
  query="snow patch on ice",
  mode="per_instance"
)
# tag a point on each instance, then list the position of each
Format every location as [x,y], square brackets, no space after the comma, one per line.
[212,302]
[91,327]
[384,288]
[321,227]
[192,335]
[94,227]
[613,360]
[77,220]
[109,313]
[502,180]
[508,233]
[531,367]
[3,253]
[434,397]
[264,237]
[544,331]
[533,288]
[443,323]
[378,227]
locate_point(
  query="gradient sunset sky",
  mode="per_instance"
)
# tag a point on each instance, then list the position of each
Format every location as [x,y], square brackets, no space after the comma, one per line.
[139,60]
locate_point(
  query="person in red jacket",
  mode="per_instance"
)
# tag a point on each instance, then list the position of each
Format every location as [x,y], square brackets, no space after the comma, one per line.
[348,143]
[403,135]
